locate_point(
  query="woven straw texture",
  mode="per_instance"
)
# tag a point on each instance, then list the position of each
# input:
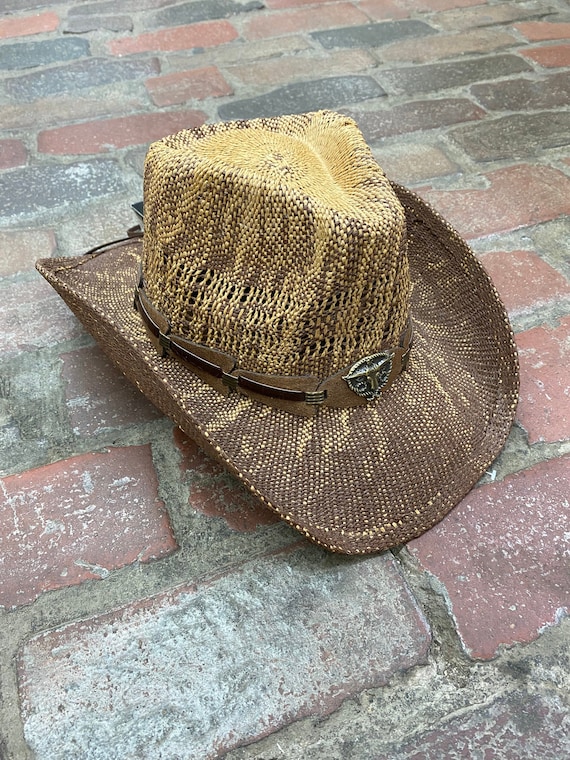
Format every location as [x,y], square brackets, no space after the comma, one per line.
[354,480]
[278,241]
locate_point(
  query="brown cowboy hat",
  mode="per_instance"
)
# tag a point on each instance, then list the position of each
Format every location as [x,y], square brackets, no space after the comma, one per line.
[319,330]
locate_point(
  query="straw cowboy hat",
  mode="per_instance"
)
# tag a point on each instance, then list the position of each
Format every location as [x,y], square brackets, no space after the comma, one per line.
[318,329]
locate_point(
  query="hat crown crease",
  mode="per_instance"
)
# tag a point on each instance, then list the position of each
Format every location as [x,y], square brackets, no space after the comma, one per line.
[279,241]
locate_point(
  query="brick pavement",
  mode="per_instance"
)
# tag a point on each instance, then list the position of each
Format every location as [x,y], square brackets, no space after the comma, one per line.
[149,607]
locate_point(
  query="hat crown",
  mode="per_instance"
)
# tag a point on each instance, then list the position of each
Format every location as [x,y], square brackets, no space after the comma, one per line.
[278,241]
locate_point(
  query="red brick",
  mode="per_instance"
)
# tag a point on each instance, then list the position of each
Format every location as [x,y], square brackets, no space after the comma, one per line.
[543,30]
[108,134]
[12,153]
[21,248]
[378,10]
[36,24]
[550,57]
[502,555]
[178,87]
[97,395]
[201,35]
[32,317]
[293,67]
[215,493]
[205,668]
[524,280]
[78,519]
[304,20]
[517,196]
[544,408]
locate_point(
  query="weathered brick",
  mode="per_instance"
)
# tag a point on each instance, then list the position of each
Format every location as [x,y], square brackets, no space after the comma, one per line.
[80,75]
[501,555]
[180,86]
[382,10]
[373,35]
[215,493]
[414,162]
[48,21]
[522,94]
[447,46]
[107,134]
[12,153]
[441,76]
[26,55]
[288,68]
[439,5]
[280,4]
[81,23]
[516,136]
[487,15]
[59,110]
[201,35]
[414,116]
[517,196]
[544,30]
[33,317]
[79,519]
[34,189]
[551,57]
[19,249]
[524,281]
[98,397]
[544,409]
[302,20]
[33,424]
[223,662]
[240,53]
[202,10]
[517,724]
[305,96]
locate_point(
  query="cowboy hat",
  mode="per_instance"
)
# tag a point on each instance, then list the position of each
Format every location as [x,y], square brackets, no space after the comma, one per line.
[321,331]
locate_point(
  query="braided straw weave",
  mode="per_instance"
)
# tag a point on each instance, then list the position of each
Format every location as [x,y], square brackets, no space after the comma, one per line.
[305,271]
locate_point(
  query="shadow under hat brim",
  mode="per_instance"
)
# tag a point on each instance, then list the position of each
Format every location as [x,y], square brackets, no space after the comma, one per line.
[353,480]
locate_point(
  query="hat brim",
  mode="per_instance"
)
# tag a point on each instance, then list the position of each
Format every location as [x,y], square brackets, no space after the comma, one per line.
[354,480]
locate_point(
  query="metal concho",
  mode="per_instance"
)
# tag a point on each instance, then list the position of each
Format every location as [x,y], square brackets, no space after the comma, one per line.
[368,376]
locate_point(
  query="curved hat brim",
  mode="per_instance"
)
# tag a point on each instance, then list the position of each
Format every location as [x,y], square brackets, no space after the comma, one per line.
[353,480]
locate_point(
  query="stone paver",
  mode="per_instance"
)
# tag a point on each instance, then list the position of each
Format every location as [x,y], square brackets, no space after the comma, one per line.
[332,92]
[34,189]
[516,136]
[77,76]
[77,520]
[204,668]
